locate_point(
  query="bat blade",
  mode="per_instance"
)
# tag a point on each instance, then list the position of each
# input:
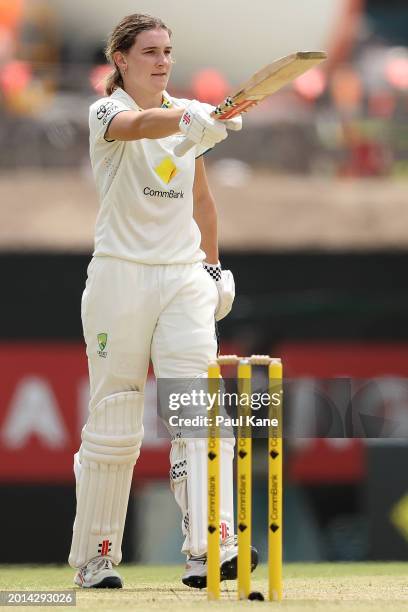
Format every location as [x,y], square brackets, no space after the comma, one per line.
[262,84]
[267,81]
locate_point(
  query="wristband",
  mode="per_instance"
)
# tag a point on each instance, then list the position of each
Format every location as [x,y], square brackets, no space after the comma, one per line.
[214,270]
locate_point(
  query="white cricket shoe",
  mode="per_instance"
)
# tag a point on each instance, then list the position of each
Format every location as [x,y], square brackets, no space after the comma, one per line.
[195,575]
[98,574]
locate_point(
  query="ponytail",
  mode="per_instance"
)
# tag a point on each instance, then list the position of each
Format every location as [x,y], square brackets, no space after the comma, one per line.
[113,81]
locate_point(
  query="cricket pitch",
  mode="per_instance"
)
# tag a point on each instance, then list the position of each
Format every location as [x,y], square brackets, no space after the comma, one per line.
[327,586]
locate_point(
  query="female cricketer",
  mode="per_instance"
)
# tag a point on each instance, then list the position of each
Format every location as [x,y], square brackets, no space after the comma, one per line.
[154,290]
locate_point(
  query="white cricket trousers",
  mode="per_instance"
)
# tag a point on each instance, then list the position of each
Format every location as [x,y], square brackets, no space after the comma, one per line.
[134,312]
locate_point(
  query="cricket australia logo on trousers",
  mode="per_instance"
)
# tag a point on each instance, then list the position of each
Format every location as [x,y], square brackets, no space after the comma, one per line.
[102,342]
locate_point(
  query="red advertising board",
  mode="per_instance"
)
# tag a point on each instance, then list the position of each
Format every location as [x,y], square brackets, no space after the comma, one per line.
[44,400]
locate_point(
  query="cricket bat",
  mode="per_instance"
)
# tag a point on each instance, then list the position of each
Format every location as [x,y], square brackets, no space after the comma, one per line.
[262,84]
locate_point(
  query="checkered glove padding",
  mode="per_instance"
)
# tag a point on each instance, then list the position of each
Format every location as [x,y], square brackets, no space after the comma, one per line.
[224,281]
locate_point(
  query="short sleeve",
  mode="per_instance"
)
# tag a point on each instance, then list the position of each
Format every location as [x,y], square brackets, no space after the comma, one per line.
[101,114]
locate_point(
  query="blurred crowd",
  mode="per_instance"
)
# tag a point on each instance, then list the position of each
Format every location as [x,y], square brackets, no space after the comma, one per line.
[354,106]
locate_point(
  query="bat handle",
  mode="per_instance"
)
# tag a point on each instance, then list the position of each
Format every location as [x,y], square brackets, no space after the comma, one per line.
[183,146]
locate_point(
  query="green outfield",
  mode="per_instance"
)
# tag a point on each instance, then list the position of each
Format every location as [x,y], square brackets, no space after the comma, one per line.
[328,586]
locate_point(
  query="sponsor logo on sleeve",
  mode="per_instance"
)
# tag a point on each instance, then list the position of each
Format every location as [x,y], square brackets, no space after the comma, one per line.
[105,111]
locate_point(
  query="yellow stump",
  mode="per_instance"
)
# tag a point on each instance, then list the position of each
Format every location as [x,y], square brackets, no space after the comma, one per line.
[275,484]
[213,489]
[244,485]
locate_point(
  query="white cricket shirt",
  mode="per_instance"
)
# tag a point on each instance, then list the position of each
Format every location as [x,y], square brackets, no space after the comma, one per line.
[145,191]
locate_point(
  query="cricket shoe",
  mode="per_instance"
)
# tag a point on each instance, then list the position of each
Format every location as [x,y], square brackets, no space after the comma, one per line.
[195,575]
[98,574]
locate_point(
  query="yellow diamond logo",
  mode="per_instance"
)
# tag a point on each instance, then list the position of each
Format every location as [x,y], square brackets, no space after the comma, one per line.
[399,516]
[167,170]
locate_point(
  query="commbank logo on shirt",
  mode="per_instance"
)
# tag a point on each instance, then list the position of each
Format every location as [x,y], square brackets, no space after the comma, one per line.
[159,193]
[166,170]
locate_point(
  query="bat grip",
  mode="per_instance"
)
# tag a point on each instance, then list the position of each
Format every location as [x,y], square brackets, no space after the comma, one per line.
[183,146]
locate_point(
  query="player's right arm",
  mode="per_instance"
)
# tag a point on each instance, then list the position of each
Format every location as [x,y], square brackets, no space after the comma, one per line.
[152,123]
[194,122]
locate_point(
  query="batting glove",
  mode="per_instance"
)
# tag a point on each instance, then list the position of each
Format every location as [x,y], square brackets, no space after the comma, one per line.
[197,125]
[224,281]
[234,124]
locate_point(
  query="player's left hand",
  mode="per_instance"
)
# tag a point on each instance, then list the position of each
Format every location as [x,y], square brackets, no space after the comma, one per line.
[226,294]
[234,124]
[224,281]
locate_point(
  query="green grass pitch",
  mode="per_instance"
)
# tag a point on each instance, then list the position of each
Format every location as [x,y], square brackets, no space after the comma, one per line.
[327,587]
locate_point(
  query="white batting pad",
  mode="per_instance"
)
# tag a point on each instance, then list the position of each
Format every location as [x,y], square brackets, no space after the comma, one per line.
[111,442]
[197,496]
[188,476]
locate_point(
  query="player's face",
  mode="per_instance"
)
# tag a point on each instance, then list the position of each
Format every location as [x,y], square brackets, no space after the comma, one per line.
[149,60]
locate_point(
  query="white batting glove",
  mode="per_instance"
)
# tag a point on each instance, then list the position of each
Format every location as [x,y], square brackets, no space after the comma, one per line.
[234,124]
[197,125]
[224,281]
